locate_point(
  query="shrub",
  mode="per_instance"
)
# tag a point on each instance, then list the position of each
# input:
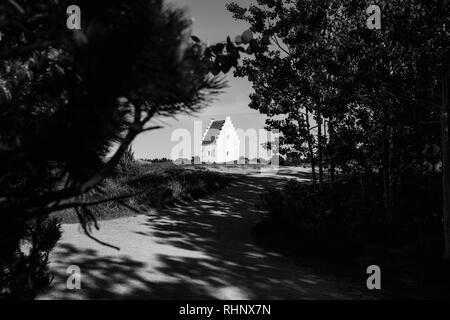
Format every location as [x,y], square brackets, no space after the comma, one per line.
[155,185]
[26,272]
[176,187]
[350,221]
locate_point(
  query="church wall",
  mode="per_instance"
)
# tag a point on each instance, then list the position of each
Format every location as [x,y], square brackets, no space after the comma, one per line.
[227,143]
[226,148]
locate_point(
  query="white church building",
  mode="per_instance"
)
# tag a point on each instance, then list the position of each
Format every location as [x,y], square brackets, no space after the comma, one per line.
[220,142]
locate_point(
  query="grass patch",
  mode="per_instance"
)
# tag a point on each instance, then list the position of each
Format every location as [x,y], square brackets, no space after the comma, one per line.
[156,185]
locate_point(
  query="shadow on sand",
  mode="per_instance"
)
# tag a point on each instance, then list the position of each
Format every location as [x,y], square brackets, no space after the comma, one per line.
[224,262]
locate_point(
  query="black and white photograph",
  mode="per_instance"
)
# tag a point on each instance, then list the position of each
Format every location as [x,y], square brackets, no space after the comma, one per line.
[240,152]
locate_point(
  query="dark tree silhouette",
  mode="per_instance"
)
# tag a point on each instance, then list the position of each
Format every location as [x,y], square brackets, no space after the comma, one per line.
[66,97]
[379,92]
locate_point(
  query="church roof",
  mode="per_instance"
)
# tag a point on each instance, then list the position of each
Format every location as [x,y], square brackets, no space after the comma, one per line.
[213,132]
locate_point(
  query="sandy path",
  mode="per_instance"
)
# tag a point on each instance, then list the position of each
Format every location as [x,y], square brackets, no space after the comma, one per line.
[201,250]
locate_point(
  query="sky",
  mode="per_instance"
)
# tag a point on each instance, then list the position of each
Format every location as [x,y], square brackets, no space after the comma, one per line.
[212,23]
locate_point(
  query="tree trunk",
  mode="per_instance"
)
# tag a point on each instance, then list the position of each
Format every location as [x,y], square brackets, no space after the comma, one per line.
[445,164]
[332,163]
[311,151]
[433,156]
[319,151]
[388,166]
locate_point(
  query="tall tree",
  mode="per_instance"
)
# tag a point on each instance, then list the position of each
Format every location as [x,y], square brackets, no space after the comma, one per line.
[282,76]
[378,89]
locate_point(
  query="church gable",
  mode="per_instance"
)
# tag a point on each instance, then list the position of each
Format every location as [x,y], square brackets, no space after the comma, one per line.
[220,142]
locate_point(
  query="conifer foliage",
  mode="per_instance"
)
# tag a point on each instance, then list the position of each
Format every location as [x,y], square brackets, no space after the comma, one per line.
[66,96]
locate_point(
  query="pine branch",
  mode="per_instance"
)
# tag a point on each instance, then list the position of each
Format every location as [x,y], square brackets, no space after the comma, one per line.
[81,204]
[89,234]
